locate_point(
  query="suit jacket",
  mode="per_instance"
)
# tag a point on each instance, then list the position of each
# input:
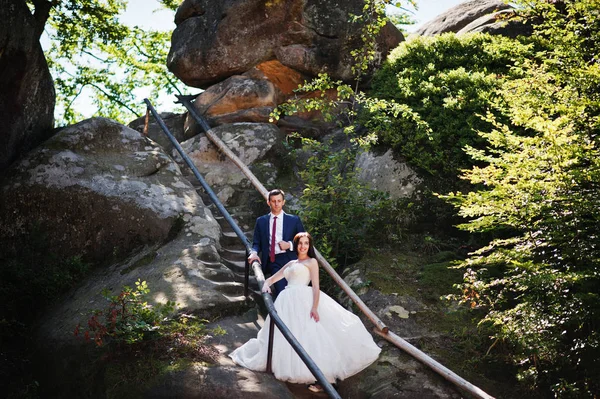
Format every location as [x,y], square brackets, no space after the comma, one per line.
[260,242]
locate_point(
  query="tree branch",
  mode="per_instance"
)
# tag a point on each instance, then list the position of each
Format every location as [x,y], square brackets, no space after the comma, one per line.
[40,15]
[113,98]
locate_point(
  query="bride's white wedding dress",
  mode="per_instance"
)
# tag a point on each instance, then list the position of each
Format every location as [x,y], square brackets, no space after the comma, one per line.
[339,343]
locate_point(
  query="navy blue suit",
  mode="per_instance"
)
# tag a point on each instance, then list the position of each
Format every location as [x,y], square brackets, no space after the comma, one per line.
[261,244]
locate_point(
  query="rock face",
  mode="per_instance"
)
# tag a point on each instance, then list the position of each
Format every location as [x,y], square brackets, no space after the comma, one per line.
[460,16]
[499,23]
[26,90]
[98,189]
[216,40]
[249,141]
[174,122]
[384,173]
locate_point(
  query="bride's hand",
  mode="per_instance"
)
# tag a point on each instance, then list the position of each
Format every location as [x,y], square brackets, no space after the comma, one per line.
[315,315]
[266,287]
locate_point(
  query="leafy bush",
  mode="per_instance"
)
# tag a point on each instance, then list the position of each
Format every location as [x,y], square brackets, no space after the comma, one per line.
[540,283]
[338,210]
[136,334]
[128,318]
[435,89]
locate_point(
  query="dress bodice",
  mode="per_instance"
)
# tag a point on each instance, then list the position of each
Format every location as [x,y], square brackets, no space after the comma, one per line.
[297,274]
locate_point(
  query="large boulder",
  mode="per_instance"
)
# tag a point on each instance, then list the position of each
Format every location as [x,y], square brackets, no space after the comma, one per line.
[378,167]
[384,172]
[98,189]
[502,22]
[251,142]
[216,40]
[26,89]
[460,16]
[174,122]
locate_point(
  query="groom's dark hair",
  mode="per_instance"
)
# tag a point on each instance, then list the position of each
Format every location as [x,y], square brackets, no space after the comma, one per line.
[275,192]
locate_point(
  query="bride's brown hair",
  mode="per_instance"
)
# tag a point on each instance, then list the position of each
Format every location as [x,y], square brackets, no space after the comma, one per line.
[311,247]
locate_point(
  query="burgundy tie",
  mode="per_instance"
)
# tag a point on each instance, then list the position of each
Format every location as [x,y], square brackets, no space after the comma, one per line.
[272,253]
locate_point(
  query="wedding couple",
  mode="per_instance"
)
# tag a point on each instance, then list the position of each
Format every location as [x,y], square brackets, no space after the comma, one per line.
[334,338]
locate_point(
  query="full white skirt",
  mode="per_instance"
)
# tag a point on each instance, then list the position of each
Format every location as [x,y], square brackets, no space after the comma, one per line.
[339,343]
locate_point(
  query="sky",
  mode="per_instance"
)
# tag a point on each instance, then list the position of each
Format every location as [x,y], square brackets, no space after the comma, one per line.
[148,14]
[429,9]
[142,13]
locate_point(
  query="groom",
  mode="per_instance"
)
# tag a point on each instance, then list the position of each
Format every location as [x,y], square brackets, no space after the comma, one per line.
[273,236]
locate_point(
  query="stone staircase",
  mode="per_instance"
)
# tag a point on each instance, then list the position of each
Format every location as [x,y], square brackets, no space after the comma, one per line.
[241,328]
[232,251]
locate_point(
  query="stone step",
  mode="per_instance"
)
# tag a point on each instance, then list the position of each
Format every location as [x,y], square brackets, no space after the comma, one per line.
[220,276]
[230,240]
[252,283]
[233,254]
[233,291]
[226,227]
[237,266]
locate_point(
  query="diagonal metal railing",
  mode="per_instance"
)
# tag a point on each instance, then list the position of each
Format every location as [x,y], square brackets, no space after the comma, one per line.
[260,278]
[380,328]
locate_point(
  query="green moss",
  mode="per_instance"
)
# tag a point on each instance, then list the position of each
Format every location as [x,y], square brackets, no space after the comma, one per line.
[455,339]
[437,279]
[412,274]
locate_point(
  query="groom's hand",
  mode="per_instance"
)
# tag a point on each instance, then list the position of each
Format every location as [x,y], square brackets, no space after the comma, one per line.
[253,256]
[284,245]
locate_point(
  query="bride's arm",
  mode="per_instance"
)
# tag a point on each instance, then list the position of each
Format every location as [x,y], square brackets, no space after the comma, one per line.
[313,266]
[274,278]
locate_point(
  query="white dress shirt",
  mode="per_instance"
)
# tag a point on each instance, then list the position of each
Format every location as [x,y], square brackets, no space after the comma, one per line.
[278,232]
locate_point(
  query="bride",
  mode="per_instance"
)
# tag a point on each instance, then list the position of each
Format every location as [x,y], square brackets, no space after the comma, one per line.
[334,338]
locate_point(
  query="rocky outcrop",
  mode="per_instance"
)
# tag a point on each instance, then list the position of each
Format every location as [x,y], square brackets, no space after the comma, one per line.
[98,189]
[460,16]
[216,40]
[499,23]
[236,99]
[237,93]
[174,122]
[384,173]
[26,89]
[249,141]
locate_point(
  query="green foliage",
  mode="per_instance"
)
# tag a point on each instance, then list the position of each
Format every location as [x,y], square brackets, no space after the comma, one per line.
[92,51]
[330,99]
[132,369]
[371,21]
[540,282]
[432,91]
[338,210]
[128,319]
[142,342]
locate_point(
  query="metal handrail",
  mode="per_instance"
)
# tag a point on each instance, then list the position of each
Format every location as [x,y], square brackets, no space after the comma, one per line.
[185,100]
[381,329]
[256,267]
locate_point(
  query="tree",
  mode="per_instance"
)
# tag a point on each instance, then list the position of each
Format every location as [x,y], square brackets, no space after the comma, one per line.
[443,83]
[91,48]
[538,193]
